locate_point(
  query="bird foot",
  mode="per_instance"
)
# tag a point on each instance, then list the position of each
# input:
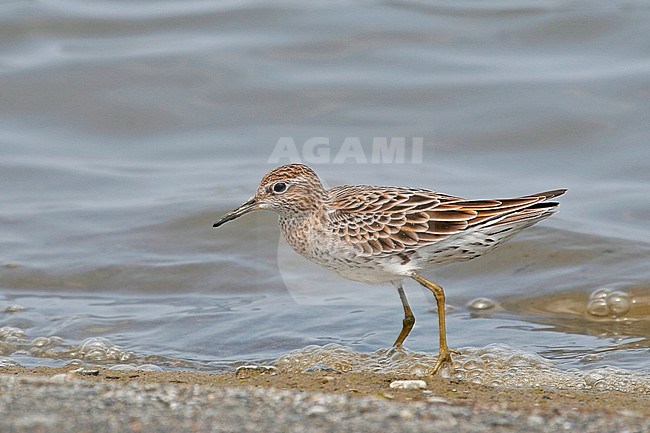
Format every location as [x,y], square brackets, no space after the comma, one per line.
[444,357]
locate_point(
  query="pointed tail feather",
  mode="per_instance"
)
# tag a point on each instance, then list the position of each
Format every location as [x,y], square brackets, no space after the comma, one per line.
[549,194]
[533,213]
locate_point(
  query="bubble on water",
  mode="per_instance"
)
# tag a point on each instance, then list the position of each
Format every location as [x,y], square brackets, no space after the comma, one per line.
[591,378]
[344,359]
[100,349]
[419,369]
[619,303]
[494,364]
[148,367]
[482,304]
[607,303]
[591,357]
[40,342]
[6,362]
[12,335]
[598,308]
[613,378]
[475,377]
[472,363]
[599,294]
[48,347]
[130,367]
[49,342]
[122,367]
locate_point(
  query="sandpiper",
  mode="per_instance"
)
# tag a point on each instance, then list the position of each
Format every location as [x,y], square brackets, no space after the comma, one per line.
[385,234]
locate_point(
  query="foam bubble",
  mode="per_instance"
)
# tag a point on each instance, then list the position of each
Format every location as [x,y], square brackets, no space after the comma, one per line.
[9,334]
[91,352]
[100,349]
[598,308]
[149,367]
[122,367]
[6,362]
[618,303]
[606,303]
[495,365]
[599,294]
[482,304]
[47,341]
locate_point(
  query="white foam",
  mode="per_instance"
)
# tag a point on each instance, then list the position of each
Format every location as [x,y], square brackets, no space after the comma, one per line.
[496,365]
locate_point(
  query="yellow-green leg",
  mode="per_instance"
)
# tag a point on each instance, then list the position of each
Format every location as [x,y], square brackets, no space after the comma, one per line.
[444,353]
[409,318]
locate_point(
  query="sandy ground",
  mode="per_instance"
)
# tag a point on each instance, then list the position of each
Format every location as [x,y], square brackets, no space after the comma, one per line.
[47,400]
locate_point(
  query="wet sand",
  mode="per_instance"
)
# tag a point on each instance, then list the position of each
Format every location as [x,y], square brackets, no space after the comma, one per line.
[49,399]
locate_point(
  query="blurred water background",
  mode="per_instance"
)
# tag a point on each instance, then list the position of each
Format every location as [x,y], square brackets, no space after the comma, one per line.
[128,128]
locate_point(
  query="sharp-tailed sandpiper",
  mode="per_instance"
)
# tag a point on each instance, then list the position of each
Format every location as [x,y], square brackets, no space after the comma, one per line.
[385,234]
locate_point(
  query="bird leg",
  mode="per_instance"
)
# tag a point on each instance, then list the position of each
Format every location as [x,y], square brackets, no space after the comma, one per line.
[409,318]
[444,353]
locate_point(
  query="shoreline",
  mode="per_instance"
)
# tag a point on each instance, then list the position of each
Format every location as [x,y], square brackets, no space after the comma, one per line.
[58,398]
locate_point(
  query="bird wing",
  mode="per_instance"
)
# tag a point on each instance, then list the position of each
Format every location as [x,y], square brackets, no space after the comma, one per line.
[389,220]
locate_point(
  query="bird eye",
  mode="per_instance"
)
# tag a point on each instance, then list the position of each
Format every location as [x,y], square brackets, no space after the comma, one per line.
[280,187]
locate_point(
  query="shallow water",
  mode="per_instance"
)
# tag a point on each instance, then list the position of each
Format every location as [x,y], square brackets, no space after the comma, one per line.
[127,130]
